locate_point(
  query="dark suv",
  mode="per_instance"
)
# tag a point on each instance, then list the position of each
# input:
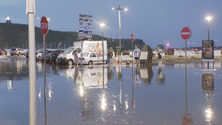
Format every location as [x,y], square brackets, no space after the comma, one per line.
[54,55]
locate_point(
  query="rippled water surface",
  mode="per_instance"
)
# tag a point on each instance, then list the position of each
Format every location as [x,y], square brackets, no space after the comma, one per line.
[112,95]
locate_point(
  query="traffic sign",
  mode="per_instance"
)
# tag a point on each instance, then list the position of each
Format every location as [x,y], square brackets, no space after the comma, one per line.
[85,20]
[185,33]
[44,25]
[87,16]
[132,37]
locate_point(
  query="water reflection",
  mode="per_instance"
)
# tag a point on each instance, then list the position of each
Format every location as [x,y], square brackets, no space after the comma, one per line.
[208,88]
[160,76]
[146,74]
[110,73]
[101,95]
[186,119]
[137,76]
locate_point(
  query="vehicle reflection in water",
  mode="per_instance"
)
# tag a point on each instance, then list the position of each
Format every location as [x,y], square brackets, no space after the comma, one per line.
[13,69]
[160,76]
[208,88]
[146,74]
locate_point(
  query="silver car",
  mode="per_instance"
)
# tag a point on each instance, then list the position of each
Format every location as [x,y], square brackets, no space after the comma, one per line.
[17,51]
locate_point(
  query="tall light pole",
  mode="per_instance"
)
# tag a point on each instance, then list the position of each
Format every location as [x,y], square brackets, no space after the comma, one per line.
[208,19]
[119,21]
[30,11]
[102,25]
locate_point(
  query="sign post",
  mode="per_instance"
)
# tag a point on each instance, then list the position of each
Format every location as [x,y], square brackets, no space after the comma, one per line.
[132,39]
[185,34]
[44,29]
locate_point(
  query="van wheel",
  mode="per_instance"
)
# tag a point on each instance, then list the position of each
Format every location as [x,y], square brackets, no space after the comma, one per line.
[70,62]
[90,63]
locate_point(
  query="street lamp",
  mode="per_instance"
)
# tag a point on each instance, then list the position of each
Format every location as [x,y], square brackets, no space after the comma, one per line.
[208,19]
[119,21]
[168,45]
[102,25]
[41,18]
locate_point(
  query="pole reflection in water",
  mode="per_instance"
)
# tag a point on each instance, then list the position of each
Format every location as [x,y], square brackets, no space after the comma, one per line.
[45,104]
[119,75]
[185,119]
[208,88]
[133,97]
[160,76]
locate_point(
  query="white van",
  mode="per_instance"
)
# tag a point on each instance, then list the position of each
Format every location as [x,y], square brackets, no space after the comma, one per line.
[89,47]
[67,56]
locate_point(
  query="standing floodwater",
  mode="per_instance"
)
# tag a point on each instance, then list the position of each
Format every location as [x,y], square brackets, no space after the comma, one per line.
[112,95]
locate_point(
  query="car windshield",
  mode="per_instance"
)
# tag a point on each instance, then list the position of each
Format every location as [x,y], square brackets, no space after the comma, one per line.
[85,54]
[69,50]
[13,49]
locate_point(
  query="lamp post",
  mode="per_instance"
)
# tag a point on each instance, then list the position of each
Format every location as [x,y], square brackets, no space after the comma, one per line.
[119,21]
[208,19]
[102,25]
[168,45]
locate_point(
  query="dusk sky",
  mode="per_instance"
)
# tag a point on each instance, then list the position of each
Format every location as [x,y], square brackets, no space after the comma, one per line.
[153,21]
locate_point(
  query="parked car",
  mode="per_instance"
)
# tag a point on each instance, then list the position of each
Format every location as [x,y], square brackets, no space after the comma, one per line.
[48,55]
[17,51]
[39,55]
[27,54]
[54,55]
[90,58]
[3,52]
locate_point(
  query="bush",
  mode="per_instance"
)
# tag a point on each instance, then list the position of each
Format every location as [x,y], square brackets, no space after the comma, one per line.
[180,56]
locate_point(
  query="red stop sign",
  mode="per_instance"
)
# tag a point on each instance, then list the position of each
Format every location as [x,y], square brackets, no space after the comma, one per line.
[132,37]
[44,25]
[185,33]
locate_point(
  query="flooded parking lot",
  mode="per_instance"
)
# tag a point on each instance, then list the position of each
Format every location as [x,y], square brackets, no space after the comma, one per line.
[118,94]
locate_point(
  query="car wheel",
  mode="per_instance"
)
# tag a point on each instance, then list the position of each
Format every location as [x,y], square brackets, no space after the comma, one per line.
[18,54]
[90,63]
[11,55]
[70,62]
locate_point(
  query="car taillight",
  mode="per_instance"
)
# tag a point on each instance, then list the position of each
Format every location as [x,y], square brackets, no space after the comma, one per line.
[83,58]
[57,53]
[63,57]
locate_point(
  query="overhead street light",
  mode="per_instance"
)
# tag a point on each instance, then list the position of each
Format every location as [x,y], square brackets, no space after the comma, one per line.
[102,25]
[208,19]
[125,9]
[41,18]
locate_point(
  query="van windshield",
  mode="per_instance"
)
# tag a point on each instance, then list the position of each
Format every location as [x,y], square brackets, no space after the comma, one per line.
[69,50]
